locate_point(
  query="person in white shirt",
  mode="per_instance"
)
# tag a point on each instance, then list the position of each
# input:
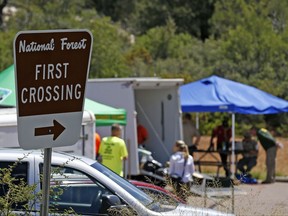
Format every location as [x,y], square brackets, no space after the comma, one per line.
[181,168]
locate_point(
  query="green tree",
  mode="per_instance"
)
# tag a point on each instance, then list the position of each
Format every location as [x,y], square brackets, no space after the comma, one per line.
[254,52]
[110,45]
[3,3]
[140,16]
[110,41]
[162,52]
[6,49]
[252,36]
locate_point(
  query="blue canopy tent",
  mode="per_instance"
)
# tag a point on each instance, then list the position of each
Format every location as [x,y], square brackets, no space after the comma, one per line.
[216,94]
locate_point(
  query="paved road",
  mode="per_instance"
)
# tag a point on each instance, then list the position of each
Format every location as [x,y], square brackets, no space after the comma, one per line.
[260,200]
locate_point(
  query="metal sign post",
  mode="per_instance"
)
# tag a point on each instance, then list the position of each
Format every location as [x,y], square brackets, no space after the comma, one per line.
[46,181]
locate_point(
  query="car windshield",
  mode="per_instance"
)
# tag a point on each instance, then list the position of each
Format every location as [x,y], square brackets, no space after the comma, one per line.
[144,198]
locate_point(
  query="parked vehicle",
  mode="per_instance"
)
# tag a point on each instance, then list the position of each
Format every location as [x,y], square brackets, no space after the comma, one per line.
[158,192]
[151,170]
[84,146]
[154,102]
[99,192]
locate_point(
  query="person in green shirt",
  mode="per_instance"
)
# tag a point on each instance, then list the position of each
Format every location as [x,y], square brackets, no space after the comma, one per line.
[113,151]
[270,145]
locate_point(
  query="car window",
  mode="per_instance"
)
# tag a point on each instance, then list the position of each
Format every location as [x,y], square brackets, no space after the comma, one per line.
[74,192]
[137,193]
[19,171]
[130,188]
[162,197]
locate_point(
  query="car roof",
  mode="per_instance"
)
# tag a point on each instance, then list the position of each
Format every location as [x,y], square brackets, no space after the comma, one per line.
[13,153]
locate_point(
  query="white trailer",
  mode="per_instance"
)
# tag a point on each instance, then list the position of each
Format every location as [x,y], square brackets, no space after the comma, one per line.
[84,146]
[156,104]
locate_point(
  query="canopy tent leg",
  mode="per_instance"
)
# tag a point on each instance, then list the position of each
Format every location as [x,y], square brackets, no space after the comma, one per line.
[233,147]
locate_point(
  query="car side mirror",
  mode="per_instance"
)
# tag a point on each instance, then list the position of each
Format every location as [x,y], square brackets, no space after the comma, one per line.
[109,202]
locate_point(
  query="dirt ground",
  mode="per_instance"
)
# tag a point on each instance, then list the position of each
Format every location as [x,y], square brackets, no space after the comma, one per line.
[261,199]
[259,171]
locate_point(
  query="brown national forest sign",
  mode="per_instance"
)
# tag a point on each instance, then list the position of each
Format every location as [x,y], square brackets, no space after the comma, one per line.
[51,71]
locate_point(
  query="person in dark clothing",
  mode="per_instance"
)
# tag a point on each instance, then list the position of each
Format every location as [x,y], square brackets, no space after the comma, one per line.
[250,153]
[142,135]
[223,133]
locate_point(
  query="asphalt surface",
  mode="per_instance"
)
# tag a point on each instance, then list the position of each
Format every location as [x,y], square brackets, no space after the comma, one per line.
[259,200]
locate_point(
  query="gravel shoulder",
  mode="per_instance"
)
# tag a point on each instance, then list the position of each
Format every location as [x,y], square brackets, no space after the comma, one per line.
[260,199]
[263,199]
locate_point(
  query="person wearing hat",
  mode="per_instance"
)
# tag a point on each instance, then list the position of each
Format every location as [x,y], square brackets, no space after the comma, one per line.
[181,168]
[250,154]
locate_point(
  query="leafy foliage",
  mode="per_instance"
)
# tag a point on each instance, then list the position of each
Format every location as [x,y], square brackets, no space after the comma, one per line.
[16,192]
[109,40]
[140,16]
[242,40]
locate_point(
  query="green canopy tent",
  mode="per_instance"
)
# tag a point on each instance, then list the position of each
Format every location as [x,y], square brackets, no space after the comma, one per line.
[105,115]
[7,88]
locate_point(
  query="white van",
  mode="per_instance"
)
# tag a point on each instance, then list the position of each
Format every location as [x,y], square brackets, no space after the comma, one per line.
[84,146]
[97,193]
